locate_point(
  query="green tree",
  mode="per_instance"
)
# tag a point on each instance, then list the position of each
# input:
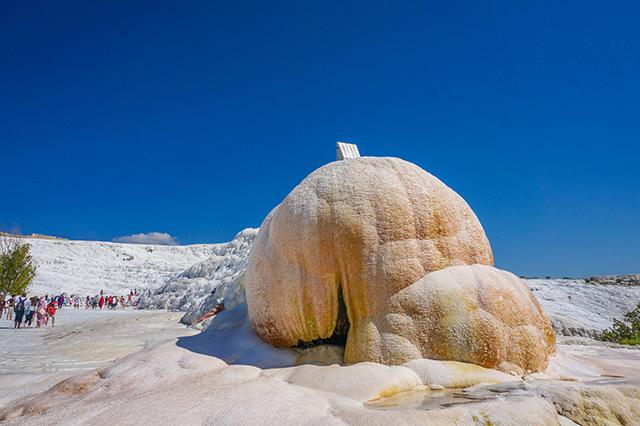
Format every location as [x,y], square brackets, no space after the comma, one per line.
[17,267]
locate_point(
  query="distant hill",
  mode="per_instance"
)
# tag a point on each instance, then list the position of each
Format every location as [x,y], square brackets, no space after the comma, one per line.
[39,236]
[628,280]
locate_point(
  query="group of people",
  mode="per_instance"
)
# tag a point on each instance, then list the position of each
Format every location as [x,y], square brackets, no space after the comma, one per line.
[102,301]
[22,310]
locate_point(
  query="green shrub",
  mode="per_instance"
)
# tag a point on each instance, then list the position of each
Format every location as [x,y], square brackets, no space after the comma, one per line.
[627,331]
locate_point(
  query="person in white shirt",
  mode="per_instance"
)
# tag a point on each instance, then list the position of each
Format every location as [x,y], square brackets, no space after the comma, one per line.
[28,311]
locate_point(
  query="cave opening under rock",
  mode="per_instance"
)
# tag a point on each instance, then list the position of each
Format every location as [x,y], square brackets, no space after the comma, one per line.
[340,331]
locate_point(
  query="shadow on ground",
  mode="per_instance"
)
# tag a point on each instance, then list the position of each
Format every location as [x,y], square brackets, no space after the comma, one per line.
[231,338]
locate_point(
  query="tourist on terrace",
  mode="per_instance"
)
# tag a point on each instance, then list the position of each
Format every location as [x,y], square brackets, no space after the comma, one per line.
[19,310]
[9,308]
[30,310]
[41,312]
[51,312]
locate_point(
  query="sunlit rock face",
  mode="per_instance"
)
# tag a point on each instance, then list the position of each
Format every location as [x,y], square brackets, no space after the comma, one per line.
[331,260]
[471,313]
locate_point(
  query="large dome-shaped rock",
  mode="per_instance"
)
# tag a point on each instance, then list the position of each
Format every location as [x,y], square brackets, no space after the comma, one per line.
[356,231]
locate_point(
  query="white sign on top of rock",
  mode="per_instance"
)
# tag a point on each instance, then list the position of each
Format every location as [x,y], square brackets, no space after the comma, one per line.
[346,150]
[380,255]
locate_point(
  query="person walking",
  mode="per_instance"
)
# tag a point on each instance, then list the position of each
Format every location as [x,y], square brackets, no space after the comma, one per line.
[101,301]
[41,312]
[19,310]
[51,312]
[9,308]
[29,310]
[1,305]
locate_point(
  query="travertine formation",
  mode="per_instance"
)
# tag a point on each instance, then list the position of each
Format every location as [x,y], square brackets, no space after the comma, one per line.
[345,254]
[473,313]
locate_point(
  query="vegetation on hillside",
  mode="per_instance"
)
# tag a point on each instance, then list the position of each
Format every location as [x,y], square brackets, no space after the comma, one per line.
[627,331]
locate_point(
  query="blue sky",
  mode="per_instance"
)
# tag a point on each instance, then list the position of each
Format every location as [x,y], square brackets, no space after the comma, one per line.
[196,118]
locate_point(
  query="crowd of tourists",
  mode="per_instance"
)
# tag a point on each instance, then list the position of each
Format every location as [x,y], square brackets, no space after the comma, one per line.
[26,311]
[111,301]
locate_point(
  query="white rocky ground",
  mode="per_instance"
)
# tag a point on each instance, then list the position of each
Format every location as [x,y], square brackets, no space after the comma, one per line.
[226,375]
[32,360]
[186,381]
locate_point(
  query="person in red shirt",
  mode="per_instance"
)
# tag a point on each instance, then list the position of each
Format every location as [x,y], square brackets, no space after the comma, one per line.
[101,302]
[51,311]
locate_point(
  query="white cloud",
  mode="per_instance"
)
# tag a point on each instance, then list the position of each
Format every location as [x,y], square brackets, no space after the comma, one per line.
[159,238]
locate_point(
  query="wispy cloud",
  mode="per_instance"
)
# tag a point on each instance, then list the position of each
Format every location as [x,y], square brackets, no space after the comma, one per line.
[159,238]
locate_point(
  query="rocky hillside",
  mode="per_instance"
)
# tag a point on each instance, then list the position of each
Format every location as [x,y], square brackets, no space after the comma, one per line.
[583,307]
[86,267]
[196,289]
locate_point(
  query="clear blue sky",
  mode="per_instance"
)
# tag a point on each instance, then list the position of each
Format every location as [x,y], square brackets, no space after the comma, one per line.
[196,118]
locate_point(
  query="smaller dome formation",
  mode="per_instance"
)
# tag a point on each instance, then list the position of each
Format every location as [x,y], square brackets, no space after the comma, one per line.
[380,255]
[472,313]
